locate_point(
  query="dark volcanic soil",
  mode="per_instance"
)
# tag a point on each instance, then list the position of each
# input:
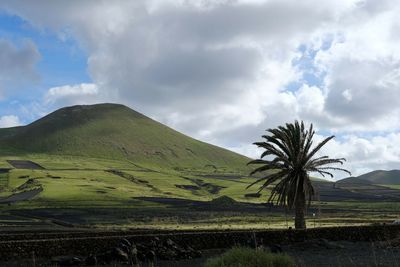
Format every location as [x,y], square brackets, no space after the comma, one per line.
[362,254]
[345,254]
[25,164]
[21,196]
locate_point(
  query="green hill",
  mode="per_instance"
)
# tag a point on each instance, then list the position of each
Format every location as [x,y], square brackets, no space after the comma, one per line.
[113,131]
[108,155]
[107,164]
[382,177]
[354,180]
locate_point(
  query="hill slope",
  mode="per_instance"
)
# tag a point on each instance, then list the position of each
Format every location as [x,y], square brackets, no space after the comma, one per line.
[114,131]
[382,177]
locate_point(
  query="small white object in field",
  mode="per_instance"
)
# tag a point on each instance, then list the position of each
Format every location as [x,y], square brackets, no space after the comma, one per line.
[396,222]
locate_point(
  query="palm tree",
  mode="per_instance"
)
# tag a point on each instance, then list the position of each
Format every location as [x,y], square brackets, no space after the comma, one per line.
[291,158]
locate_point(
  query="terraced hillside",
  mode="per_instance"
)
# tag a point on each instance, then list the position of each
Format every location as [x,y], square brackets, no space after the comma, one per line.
[112,183]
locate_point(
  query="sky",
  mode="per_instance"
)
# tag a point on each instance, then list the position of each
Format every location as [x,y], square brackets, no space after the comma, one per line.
[222,71]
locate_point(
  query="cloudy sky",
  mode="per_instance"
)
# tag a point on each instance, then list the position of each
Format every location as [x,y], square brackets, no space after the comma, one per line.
[221,71]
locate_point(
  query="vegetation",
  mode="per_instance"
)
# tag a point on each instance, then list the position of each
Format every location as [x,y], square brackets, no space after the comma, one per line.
[82,190]
[293,158]
[115,132]
[382,177]
[247,257]
[77,182]
[91,178]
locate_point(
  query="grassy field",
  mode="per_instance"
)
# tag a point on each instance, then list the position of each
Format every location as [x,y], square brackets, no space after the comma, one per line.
[78,182]
[393,186]
[109,166]
[83,191]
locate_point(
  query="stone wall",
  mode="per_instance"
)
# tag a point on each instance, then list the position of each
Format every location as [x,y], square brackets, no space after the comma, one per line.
[49,246]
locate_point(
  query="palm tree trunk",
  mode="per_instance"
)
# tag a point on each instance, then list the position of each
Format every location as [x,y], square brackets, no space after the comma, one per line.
[300,207]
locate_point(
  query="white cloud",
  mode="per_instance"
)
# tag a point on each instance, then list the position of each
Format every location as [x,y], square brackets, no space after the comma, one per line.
[179,52]
[310,101]
[84,93]
[219,70]
[365,154]
[362,66]
[17,65]
[347,95]
[56,93]
[9,121]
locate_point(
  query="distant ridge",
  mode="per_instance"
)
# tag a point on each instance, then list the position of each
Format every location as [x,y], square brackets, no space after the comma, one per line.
[376,177]
[382,177]
[114,131]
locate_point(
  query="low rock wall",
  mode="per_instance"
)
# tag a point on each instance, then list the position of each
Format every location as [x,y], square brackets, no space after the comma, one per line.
[46,248]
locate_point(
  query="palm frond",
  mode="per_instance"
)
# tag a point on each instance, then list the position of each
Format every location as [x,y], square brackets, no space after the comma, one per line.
[290,158]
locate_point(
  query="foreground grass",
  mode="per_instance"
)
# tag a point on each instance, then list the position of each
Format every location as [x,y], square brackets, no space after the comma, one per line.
[247,257]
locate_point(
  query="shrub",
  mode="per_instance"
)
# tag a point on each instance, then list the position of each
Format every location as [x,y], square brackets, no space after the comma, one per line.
[247,257]
[224,201]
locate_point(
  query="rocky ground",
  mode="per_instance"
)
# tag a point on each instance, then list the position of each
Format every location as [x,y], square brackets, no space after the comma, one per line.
[167,253]
[307,254]
[343,253]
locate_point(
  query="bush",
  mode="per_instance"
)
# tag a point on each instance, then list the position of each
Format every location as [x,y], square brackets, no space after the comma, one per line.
[224,201]
[247,257]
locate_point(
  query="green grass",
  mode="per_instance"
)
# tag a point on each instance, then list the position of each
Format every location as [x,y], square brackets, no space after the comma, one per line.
[84,185]
[85,182]
[78,145]
[382,177]
[3,182]
[115,132]
[382,206]
[247,257]
[392,186]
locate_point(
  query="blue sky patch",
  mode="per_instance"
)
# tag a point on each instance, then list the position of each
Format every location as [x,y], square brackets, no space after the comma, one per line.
[62,62]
